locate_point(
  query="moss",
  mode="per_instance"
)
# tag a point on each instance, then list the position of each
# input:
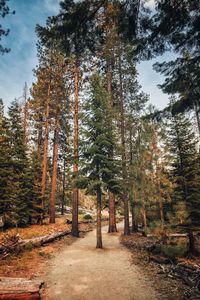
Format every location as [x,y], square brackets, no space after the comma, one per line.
[28,246]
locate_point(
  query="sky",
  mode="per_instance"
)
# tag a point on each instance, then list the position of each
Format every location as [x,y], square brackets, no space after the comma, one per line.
[17,66]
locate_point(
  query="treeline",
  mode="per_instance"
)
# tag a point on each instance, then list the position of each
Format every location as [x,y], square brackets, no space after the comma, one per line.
[87,124]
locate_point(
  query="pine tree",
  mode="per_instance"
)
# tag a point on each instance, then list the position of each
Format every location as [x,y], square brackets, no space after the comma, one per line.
[48,106]
[90,26]
[4,10]
[180,34]
[7,197]
[99,168]
[66,155]
[68,31]
[185,167]
[182,77]
[20,164]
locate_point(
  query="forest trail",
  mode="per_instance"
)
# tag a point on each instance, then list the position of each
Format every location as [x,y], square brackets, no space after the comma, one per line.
[81,272]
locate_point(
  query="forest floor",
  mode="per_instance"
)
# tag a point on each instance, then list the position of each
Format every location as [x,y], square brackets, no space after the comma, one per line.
[73,269]
[82,272]
[33,263]
[169,286]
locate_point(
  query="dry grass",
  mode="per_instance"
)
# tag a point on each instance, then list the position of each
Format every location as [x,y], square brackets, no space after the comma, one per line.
[32,263]
[38,230]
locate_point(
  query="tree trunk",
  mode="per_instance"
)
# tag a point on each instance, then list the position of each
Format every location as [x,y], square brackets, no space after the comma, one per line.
[25,112]
[54,175]
[20,288]
[25,121]
[99,235]
[63,189]
[46,142]
[184,184]
[124,170]
[112,209]
[112,213]
[75,195]
[144,216]
[39,140]
[134,225]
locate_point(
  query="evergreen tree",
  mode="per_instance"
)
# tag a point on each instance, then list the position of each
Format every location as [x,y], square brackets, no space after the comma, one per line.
[48,107]
[94,27]
[7,197]
[180,34]
[185,166]
[182,76]
[99,168]
[20,163]
[4,10]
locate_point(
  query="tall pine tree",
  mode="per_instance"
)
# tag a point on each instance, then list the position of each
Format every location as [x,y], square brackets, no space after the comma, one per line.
[185,167]
[99,168]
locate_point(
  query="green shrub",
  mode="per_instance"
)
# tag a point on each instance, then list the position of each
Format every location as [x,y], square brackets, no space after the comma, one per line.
[87,217]
[174,249]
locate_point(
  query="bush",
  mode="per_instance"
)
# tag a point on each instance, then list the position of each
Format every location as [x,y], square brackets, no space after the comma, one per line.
[87,217]
[175,248]
[159,229]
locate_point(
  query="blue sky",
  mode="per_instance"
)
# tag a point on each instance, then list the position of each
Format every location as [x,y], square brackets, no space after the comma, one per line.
[16,67]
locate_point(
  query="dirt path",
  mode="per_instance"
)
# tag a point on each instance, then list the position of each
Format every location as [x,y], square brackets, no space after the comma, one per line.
[83,273]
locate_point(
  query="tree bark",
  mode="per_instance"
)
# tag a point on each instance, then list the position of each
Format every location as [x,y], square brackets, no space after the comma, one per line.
[46,142]
[39,140]
[99,234]
[109,74]
[123,143]
[19,288]
[54,175]
[75,194]
[144,216]
[112,209]
[63,189]
[134,225]
[112,213]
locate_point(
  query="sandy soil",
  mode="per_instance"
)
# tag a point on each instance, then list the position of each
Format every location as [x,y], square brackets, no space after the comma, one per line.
[81,272]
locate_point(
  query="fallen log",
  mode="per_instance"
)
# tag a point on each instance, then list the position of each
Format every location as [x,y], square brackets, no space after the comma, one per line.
[173,235]
[14,244]
[7,248]
[39,241]
[20,288]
